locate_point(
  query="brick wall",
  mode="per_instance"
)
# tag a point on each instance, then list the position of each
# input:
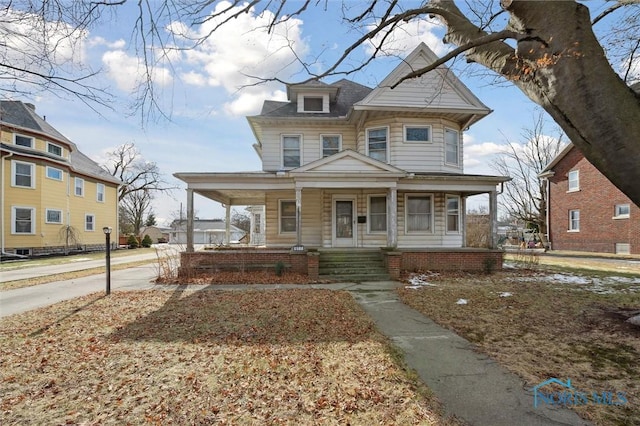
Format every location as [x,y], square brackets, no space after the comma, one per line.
[249,259]
[596,201]
[475,260]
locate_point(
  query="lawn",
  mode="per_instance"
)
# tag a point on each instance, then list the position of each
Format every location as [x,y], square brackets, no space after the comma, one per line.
[546,324]
[202,357]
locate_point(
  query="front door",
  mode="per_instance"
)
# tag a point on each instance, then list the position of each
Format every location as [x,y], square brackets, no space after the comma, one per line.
[344,220]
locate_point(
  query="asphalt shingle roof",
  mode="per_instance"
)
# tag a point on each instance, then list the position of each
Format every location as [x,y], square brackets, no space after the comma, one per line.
[349,93]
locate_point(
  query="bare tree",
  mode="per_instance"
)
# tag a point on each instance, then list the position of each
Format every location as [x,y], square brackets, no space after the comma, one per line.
[478,227]
[524,197]
[141,180]
[241,220]
[548,49]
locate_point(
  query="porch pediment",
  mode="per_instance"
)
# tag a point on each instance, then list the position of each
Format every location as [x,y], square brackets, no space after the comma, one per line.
[348,163]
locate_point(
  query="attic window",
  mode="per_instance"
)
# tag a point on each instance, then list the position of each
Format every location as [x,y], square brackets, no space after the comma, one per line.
[24,141]
[312,104]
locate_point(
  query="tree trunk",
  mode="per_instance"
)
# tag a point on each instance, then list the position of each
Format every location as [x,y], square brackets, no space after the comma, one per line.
[559,64]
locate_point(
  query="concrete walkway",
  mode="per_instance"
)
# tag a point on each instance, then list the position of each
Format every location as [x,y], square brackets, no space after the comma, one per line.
[470,385]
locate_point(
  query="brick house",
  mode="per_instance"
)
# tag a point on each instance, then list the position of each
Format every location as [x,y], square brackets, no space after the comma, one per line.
[586,211]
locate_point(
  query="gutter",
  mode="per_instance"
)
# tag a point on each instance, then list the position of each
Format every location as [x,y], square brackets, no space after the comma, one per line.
[2,202]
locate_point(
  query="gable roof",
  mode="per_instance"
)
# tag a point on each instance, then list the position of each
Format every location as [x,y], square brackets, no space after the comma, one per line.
[22,117]
[350,162]
[438,90]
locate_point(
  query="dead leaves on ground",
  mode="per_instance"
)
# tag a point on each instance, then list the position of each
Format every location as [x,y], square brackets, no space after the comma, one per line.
[202,357]
[542,330]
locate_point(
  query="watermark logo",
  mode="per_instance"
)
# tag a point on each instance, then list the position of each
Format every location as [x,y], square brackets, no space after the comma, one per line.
[555,392]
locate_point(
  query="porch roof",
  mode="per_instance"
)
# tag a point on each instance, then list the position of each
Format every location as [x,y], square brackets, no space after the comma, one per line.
[250,188]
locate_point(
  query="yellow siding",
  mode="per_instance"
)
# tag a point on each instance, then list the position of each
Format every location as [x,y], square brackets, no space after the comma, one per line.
[53,194]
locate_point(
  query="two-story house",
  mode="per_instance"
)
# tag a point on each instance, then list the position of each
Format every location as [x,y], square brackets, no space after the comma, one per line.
[348,166]
[54,198]
[586,211]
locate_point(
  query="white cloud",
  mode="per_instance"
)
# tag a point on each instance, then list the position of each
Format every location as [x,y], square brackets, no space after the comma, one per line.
[101,41]
[240,54]
[406,36]
[127,71]
[31,43]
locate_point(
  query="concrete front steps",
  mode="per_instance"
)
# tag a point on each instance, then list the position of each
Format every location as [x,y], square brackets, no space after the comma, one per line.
[353,265]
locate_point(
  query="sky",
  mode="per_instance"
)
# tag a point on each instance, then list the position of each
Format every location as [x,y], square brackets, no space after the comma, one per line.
[206,93]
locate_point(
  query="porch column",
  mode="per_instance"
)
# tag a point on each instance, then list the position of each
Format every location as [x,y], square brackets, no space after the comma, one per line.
[227,224]
[298,216]
[463,218]
[493,218]
[392,211]
[190,220]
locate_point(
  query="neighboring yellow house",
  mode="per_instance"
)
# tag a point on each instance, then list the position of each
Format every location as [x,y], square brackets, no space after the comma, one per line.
[54,198]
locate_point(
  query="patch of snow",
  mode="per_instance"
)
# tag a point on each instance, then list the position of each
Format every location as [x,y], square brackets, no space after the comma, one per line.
[598,285]
[80,259]
[509,265]
[505,294]
[418,281]
[462,302]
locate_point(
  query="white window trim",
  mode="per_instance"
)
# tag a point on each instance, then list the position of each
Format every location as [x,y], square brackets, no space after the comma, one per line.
[282,136]
[13,220]
[13,174]
[54,168]
[366,142]
[406,213]
[621,216]
[280,231]
[446,214]
[46,216]
[322,135]
[33,140]
[86,215]
[577,173]
[459,145]
[369,231]
[75,185]
[417,126]
[569,227]
[104,196]
[58,146]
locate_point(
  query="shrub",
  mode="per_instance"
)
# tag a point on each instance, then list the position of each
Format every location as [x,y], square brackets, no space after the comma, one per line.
[147,241]
[279,268]
[132,241]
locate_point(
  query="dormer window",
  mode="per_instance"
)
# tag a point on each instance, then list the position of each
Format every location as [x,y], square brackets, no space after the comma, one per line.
[313,103]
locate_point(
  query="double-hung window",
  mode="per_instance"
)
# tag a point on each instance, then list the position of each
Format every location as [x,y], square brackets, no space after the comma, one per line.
[79,187]
[574,220]
[419,213]
[377,143]
[574,180]
[100,192]
[89,222]
[377,213]
[23,220]
[53,216]
[23,174]
[330,144]
[288,221]
[291,151]
[451,146]
[453,213]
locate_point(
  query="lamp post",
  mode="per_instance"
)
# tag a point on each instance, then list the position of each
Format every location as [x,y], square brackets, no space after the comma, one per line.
[107,234]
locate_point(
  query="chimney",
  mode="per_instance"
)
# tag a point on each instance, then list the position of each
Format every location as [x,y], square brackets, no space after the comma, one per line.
[31,106]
